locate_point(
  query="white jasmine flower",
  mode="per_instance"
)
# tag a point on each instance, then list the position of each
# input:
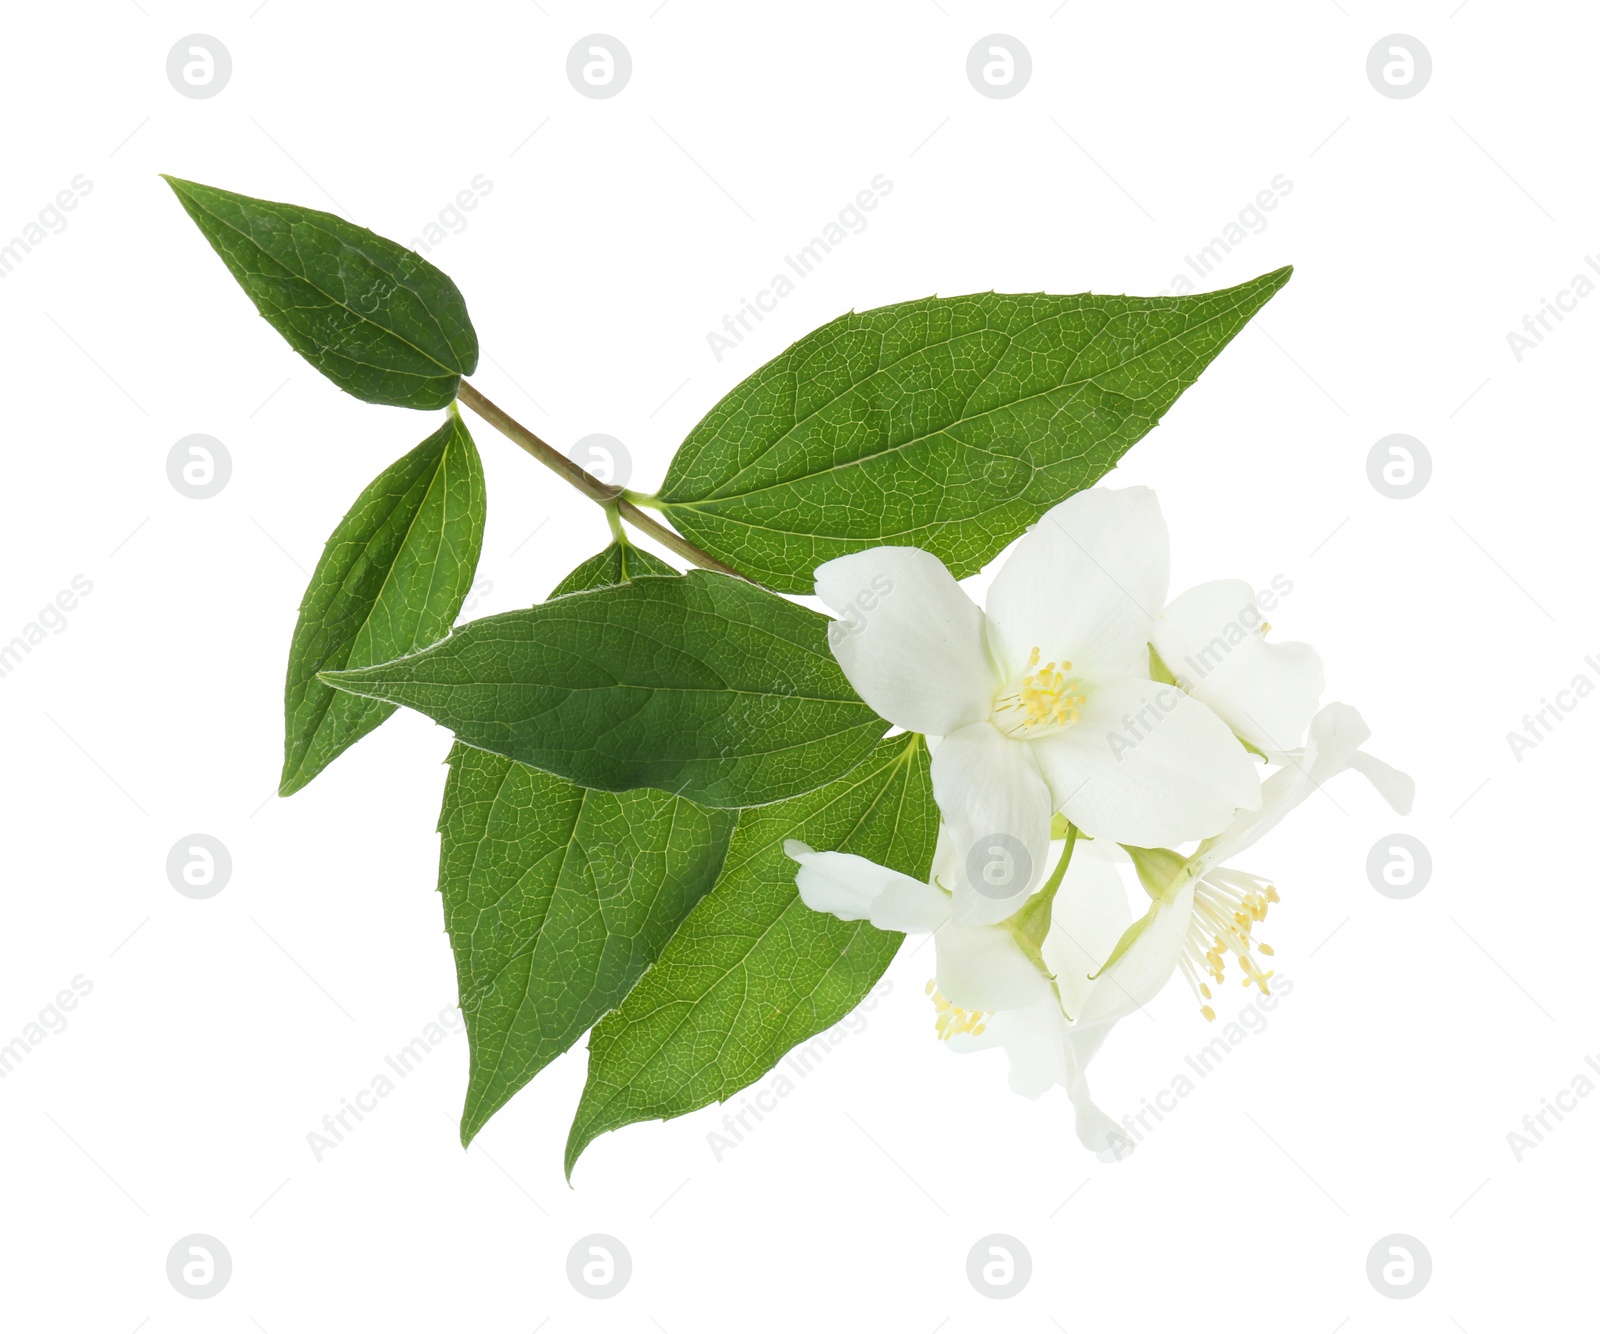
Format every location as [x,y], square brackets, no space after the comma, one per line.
[979,970]
[1203,912]
[1044,702]
[990,988]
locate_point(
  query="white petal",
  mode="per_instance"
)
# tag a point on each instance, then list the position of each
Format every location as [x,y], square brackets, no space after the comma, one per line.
[1034,1039]
[1396,788]
[997,810]
[909,640]
[910,905]
[1210,639]
[1125,986]
[1144,969]
[854,889]
[982,968]
[1148,765]
[1097,1132]
[1332,746]
[1088,917]
[1083,585]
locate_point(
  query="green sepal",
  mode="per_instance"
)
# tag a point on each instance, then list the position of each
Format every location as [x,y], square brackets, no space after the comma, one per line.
[1159,869]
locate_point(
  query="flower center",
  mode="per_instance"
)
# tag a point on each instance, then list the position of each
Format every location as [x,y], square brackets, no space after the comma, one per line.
[952,1019]
[1227,906]
[1043,699]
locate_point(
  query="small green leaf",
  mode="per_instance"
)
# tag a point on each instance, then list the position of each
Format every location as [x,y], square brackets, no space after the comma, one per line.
[557,898]
[949,423]
[391,580]
[617,564]
[698,684]
[377,319]
[753,971]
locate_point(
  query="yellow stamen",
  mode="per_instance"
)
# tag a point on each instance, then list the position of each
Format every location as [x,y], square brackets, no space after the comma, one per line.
[952,1020]
[1227,906]
[1043,699]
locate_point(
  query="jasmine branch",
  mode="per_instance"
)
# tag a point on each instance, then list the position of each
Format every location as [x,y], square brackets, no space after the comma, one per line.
[610,498]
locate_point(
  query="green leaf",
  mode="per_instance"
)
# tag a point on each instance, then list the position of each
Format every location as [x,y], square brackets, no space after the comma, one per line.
[950,423]
[557,898]
[377,319]
[391,580]
[617,564]
[697,684]
[752,971]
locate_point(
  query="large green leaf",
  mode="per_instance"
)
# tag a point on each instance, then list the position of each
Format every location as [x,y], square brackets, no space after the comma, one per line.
[377,319]
[697,684]
[752,970]
[391,580]
[949,423]
[557,898]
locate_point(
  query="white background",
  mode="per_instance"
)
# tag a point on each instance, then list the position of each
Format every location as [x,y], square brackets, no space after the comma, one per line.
[218,1033]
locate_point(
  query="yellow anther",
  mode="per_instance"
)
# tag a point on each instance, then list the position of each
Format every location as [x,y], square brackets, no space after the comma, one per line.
[951,1020]
[1043,698]
[1227,906]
